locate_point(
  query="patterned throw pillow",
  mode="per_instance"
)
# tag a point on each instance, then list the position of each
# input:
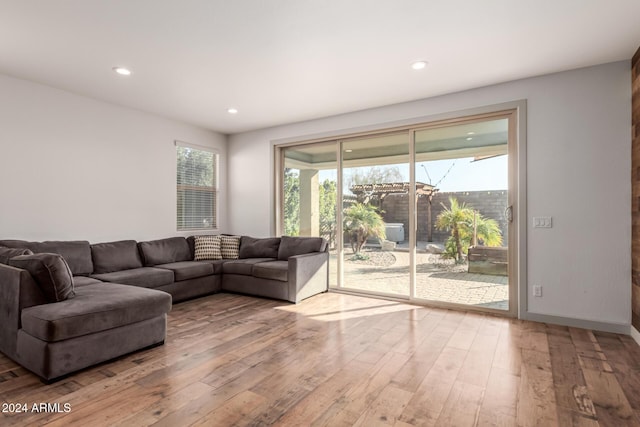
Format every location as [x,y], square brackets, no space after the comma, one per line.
[207,248]
[230,247]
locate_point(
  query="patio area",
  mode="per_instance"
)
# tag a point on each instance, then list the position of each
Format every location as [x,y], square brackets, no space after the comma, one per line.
[437,279]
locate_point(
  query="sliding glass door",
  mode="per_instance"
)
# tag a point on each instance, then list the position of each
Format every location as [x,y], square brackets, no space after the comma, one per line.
[462,214]
[309,195]
[422,213]
[375,176]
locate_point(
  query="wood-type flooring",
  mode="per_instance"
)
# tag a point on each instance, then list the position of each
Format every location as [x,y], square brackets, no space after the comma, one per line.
[343,360]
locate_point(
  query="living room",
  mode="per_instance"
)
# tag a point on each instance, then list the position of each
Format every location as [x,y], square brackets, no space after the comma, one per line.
[89,154]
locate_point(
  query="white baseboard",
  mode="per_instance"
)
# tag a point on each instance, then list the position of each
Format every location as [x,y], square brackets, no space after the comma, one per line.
[635,334]
[617,328]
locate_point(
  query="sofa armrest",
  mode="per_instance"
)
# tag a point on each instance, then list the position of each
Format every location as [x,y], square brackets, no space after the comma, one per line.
[308,275]
[18,290]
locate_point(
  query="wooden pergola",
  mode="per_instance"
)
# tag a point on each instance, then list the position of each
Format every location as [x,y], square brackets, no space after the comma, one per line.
[366,193]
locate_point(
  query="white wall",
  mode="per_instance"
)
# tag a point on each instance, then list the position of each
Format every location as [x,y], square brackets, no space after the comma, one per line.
[578,171]
[75,168]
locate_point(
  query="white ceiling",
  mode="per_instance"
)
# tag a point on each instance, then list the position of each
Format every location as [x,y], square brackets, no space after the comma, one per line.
[282,61]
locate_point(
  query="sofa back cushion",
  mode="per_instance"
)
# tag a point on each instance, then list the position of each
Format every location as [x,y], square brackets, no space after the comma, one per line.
[8,253]
[165,251]
[191,241]
[51,273]
[115,256]
[77,253]
[291,246]
[259,248]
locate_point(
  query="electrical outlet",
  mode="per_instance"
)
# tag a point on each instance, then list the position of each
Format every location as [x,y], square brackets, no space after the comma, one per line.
[537,291]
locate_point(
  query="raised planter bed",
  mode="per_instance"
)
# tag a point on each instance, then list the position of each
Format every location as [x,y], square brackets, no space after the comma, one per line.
[488,260]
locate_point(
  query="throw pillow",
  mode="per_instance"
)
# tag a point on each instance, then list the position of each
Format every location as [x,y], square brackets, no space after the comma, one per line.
[207,248]
[7,253]
[230,247]
[50,271]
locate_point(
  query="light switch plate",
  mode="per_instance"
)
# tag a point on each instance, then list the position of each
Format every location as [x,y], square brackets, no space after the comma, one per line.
[542,222]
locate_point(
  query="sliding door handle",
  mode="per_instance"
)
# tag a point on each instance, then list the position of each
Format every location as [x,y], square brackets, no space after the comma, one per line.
[508,213]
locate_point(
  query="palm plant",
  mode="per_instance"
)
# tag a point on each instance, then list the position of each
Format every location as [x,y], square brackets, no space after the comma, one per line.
[454,219]
[460,220]
[488,231]
[362,221]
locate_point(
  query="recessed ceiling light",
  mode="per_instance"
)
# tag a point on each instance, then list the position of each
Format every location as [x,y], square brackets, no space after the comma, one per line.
[232,110]
[122,71]
[419,65]
[469,139]
[470,133]
[348,150]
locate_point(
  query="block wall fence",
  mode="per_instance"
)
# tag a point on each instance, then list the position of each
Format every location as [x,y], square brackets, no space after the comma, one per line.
[490,204]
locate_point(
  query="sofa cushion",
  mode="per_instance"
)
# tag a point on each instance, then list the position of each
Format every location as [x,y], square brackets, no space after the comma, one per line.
[115,256]
[51,273]
[242,266]
[217,265]
[165,251]
[95,308]
[230,247]
[273,270]
[147,277]
[291,246]
[207,248]
[259,248]
[191,241]
[8,253]
[77,254]
[84,281]
[185,270]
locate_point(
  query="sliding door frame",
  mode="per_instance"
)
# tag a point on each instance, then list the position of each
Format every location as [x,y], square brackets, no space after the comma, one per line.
[512,196]
[514,112]
[341,287]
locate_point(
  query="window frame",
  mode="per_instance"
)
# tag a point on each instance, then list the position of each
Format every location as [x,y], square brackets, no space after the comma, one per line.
[215,188]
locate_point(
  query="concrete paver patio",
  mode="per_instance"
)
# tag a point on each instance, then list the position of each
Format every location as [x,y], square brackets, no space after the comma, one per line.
[435,280]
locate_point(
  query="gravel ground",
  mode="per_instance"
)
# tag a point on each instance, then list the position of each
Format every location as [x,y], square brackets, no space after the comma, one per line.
[379,258]
[376,257]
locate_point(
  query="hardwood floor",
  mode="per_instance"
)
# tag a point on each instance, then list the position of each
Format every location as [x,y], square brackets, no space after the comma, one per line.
[342,360]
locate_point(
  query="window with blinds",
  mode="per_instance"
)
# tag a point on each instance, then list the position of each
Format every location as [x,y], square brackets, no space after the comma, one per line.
[197,188]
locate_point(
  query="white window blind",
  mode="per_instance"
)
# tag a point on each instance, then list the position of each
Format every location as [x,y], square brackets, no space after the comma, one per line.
[197,188]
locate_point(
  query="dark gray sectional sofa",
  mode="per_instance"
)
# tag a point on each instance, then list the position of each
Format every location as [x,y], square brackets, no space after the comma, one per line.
[123,291]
